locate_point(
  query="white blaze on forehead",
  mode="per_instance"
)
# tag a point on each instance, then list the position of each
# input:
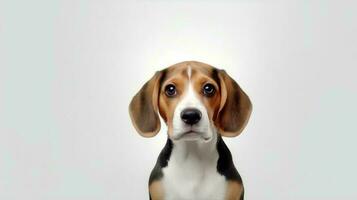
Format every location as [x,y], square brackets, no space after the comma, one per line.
[190,97]
[189,72]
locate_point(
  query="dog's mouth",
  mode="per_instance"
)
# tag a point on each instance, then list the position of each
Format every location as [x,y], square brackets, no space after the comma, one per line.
[190,132]
[191,135]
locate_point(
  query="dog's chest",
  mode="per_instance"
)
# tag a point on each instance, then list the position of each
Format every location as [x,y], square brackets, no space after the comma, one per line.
[193,179]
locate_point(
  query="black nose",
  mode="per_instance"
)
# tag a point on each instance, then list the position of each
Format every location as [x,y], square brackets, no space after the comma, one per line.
[191,116]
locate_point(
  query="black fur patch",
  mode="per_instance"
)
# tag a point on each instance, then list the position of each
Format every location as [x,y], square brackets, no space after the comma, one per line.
[162,161]
[225,164]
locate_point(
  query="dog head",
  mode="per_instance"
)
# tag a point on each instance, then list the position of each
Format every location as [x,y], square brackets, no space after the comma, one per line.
[194,99]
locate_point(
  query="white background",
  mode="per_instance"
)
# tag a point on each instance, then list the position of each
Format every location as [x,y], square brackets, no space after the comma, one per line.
[68,70]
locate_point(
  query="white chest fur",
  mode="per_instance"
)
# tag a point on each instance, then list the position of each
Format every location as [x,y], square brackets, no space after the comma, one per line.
[192,174]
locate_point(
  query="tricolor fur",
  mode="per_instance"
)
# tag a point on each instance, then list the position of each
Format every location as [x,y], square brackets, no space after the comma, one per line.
[199,104]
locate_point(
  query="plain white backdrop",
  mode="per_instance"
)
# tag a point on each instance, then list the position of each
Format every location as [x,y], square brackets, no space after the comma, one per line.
[68,70]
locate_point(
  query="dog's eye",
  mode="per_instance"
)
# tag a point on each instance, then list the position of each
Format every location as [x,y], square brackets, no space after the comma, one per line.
[208,89]
[170,90]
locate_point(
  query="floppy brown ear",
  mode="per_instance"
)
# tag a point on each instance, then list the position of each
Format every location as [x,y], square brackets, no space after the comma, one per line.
[235,107]
[143,108]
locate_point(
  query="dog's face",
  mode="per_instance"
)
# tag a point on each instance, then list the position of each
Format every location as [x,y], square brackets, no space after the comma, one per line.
[194,99]
[189,100]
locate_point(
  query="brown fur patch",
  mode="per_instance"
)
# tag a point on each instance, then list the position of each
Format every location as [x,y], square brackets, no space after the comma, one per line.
[143,107]
[234,190]
[200,77]
[178,77]
[156,190]
[235,107]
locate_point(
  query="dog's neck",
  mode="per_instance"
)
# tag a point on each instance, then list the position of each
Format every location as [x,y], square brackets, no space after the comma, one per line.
[192,171]
[198,150]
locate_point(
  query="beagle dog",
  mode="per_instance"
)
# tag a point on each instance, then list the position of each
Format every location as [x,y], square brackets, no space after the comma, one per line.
[199,104]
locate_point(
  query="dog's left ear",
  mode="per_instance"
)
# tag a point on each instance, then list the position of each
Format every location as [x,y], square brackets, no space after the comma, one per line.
[235,107]
[143,108]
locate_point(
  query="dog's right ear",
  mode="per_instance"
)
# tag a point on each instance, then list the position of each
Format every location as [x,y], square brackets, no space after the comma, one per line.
[143,107]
